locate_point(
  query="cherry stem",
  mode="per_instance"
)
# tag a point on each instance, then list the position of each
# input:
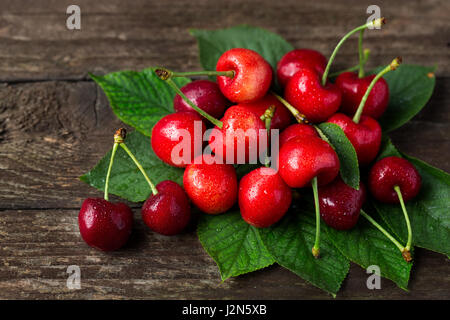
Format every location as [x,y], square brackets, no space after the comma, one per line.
[113,153]
[361,54]
[300,117]
[392,66]
[379,227]
[203,113]
[354,68]
[316,248]
[374,23]
[267,118]
[408,223]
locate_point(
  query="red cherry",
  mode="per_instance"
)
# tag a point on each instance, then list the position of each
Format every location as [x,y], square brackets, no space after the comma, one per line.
[306,93]
[365,136]
[297,59]
[167,212]
[390,172]
[264,197]
[303,159]
[105,225]
[340,204]
[212,187]
[240,125]
[353,89]
[252,75]
[281,117]
[168,132]
[297,130]
[204,94]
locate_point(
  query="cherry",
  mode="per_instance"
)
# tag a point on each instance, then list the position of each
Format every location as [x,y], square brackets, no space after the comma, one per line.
[241,126]
[252,75]
[316,101]
[303,159]
[264,197]
[353,89]
[340,204]
[105,225]
[205,94]
[168,211]
[395,180]
[281,117]
[297,130]
[297,59]
[365,136]
[170,130]
[212,187]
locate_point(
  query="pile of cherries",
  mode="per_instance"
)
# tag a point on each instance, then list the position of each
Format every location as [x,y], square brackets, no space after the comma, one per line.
[242,100]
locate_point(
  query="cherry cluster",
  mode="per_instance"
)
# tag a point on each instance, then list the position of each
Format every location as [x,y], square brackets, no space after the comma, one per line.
[243,101]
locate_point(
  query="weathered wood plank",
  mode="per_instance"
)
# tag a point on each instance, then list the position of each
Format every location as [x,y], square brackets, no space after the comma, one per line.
[116,35]
[37,246]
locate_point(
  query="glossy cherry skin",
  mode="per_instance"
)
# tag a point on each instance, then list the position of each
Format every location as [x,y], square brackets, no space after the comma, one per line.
[297,59]
[213,188]
[168,133]
[168,212]
[204,94]
[264,197]
[281,117]
[340,204]
[300,160]
[252,75]
[297,130]
[105,225]
[353,89]
[365,136]
[390,172]
[306,93]
[240,126]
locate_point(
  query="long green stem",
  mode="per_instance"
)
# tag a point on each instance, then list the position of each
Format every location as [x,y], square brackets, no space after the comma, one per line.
[361,54]
[229,74]
[374,23]
[301,118]
[267,118]
[379,227]
[152,186]
[316,248]
[203,113]
[405,213]
[392,66]
[113,153]
[366,54]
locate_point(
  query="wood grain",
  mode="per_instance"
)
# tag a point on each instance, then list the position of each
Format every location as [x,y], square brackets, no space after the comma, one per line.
[55,125]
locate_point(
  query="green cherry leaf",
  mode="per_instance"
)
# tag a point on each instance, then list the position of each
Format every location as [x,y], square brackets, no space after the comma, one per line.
[410,88]
[290,242]
[345,151]
[140,99]
[213,43]
[235,246]
[126,181]
[428,211]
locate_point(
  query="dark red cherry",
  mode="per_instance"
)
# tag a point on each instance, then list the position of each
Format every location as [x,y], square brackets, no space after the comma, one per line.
[105,225]
[264,197]
[297,130]
[353,89]
[297,59]
[365,136]
[167,212]
[204,94]
[300,160]
[168,133]
[390,172]
[340,204]
[252,75]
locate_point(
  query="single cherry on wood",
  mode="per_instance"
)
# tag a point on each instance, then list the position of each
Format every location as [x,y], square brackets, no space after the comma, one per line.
[395,180]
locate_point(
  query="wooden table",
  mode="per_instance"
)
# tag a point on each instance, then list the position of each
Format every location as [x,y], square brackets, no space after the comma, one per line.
[55,124]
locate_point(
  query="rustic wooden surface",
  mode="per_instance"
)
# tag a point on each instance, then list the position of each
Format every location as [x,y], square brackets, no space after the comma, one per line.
[55,124]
